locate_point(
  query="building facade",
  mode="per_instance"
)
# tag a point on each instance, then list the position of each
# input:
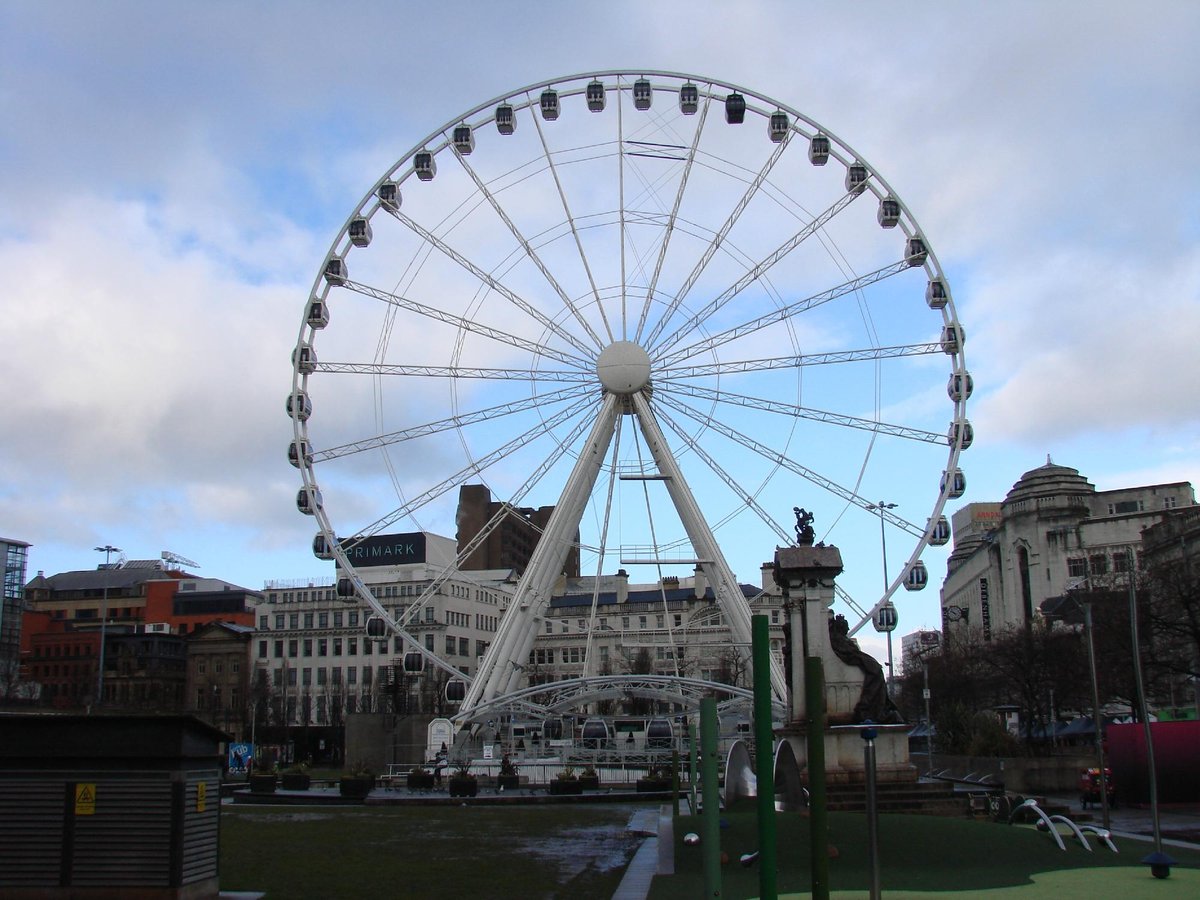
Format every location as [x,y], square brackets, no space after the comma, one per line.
[509,545]
[1052,532]
[15,555]
[316,655]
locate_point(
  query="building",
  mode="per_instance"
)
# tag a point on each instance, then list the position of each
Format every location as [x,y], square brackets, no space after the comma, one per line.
[510,544]
[217,687]
[1051,533]
[670,627]
[15,554]
[916,647]
[316,657]
[144,608]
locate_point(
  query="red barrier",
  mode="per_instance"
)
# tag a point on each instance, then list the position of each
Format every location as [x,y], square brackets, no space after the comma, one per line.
[1176,761]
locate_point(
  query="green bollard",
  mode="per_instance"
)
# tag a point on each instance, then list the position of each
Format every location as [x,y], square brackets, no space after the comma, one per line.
[711,816]
[764,762]
[814,699]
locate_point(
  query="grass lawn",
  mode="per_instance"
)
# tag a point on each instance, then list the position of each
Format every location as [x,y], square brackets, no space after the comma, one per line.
[525,852]
[923,856]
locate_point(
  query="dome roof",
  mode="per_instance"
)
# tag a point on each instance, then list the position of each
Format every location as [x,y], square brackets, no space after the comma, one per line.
[1049,481]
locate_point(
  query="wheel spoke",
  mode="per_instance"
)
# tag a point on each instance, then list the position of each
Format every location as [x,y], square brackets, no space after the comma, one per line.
[530,252]
[767,453]
[677,373]
[533,312]
[574,376]
[816,415]
[782,314]
[562,196]
[474,468]
[714,245]
[756,272]
[439,315]
[458,421]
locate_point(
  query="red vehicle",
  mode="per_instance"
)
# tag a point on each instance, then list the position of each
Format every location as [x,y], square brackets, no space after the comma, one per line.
[1089,787]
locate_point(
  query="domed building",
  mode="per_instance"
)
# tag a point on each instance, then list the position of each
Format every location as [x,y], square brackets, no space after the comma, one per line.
[1013,560]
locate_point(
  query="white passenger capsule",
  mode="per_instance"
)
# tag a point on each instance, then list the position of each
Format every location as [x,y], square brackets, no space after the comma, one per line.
[464,139]
[917,578]
[360,232]
[957,483]
[595,101]
[308,501]
[968,434]
[940,535]
[321,548]
[298,452]
[389,195]
[777,126]
[336,271]
[549,104]
[642,94]
[915,251]
[304,358]
[506,122]
[889,212]
[689,99]
[856,178]
[424,165]
[317,315]
[299,406]
[960,386]
[952,339]
[935,294]
[818,149]
[735,109]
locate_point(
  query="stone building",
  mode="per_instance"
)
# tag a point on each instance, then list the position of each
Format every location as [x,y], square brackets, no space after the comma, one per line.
[1053,531]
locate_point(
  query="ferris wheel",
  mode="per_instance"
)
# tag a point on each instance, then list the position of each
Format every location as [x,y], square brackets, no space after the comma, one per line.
[671,307]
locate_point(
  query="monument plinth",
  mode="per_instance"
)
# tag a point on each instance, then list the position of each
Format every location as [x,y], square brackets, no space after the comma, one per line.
[855,690]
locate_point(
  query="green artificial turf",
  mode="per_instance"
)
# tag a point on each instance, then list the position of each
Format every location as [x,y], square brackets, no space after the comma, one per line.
[922,855]
[524,852]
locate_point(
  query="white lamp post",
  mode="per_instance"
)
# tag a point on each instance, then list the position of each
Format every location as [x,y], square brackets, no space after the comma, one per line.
[887,619]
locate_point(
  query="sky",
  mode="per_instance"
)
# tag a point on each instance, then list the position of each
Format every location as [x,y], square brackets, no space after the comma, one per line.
[172,176]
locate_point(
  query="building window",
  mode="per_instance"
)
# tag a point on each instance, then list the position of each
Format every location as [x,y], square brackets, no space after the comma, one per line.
[1077,567]
[480,648]
[352,646]
[294,620]
[352,675]
[293,648]
[201,667]
[262,649]
[291,677]
[323,647]
[337,620]
[549,627]
[450,645]
[320,675]
[464,647]
[1098,564]
[429,642]
[335,674]
[262,622]
[624,623]
[308,620]
[337,646]
[642,622]
[278,649]
[1170,502]
[352,619]
[307,679]
[323,620]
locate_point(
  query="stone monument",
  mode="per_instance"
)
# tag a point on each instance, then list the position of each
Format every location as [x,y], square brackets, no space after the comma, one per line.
[855,689]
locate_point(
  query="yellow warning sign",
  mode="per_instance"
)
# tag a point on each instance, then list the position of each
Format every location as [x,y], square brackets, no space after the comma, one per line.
[85,799]
[201,796]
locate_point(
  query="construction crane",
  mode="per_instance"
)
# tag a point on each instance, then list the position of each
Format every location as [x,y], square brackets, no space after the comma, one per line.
[178,560]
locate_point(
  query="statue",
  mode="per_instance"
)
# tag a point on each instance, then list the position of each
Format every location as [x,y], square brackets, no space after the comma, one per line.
[874,704]
[805,535]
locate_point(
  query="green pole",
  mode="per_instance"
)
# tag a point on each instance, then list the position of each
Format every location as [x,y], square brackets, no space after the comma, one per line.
[693,771]
[711,815]
[814,700]
[675,784]
[764,763]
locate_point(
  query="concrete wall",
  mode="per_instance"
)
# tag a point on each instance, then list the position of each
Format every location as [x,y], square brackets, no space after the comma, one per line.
[1020,775]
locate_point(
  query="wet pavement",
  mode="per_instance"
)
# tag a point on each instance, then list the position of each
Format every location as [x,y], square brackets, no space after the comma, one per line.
[1177,821]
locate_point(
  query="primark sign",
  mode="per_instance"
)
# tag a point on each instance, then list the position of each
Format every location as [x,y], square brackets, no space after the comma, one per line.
[386,550]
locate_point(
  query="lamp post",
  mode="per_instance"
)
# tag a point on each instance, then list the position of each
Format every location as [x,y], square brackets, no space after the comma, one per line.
[108,550]
[885,622]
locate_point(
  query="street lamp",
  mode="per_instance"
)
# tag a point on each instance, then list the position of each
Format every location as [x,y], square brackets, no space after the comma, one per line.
[886,620]
[108,550]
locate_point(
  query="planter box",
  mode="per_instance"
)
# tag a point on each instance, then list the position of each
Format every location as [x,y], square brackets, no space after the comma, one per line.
[463,787]
[566,786]
[653,785]
[356,786]
[295,781]
[422,780]
[262,784]
[508,782]
[589,782]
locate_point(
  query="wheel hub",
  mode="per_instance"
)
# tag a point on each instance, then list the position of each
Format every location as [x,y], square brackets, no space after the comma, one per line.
[623,368]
